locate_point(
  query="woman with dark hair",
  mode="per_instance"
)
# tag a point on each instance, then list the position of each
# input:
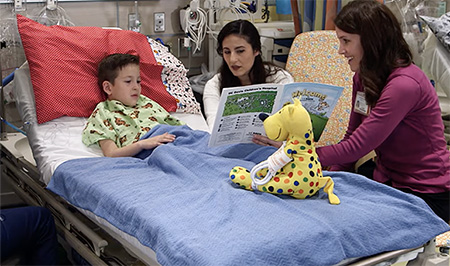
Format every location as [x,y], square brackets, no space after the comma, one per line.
[398,114]
[239,45]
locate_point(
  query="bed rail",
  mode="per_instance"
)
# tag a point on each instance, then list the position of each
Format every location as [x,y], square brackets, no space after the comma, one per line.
[391,256]
[22,178]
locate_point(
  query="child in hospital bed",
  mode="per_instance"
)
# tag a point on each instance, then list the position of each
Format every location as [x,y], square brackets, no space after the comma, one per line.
[118,123]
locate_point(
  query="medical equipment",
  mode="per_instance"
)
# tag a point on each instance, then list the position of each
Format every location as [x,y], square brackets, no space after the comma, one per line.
[63,131]
[436,64]
[193,21]
[265,12]
[11,56]
[20,6]
[53,14]
[134,22]
[220,11]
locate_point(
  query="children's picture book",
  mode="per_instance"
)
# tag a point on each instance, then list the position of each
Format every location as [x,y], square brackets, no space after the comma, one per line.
[238,112]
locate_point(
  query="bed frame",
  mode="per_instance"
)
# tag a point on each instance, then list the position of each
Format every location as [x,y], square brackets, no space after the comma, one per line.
[86,242]
[83,240]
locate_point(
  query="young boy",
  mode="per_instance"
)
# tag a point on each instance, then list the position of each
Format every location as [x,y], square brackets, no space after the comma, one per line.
[118,123]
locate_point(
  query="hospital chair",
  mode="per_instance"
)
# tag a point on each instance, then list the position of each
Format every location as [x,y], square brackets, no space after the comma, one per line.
[314,57]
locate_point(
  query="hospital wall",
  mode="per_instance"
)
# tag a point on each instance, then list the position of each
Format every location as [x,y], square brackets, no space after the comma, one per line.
[101,14]
[115,14]
[106,14]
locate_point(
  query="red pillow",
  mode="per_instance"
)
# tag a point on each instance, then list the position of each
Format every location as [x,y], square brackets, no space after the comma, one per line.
[63,66]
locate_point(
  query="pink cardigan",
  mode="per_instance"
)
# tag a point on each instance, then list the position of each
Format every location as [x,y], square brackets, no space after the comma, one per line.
[406,130]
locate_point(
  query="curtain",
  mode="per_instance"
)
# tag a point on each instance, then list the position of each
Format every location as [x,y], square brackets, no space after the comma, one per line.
[311,15]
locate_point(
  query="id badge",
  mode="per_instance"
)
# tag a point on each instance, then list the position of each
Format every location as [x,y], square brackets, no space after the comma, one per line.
[361,106]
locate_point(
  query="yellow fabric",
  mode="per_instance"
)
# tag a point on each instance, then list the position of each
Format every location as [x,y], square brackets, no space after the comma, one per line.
[314,58]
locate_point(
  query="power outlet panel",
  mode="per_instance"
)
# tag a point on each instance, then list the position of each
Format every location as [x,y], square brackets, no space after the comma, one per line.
[182,51]
[160,22]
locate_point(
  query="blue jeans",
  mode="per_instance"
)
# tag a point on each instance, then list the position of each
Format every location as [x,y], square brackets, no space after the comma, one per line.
[29,232]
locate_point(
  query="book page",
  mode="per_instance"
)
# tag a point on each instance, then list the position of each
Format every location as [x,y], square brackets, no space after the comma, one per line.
[318,99]
[238,113]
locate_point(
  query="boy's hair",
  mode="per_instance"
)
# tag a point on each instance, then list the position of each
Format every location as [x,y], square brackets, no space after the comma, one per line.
[109,67]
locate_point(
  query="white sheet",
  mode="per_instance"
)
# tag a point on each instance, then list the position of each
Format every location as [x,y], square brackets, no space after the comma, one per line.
[59,140]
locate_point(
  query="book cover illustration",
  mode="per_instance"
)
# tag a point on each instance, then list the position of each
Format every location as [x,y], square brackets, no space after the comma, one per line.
[318,99]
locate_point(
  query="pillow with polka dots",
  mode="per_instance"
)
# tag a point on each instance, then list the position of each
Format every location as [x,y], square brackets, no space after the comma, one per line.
[63,65]
[440,27]
[174,76]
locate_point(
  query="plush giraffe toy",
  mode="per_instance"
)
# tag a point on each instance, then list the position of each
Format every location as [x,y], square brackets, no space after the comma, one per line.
[294,168]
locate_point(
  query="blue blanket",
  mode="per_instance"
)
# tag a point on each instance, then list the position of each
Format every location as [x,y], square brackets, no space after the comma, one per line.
[178,200]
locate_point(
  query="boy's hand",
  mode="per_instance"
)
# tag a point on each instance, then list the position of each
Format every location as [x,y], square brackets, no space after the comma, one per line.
[155,141]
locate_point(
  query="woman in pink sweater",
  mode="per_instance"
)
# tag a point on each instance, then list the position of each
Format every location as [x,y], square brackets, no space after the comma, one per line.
[395,109]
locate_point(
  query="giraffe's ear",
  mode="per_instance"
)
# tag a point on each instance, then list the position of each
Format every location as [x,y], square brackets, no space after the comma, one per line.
[297,102]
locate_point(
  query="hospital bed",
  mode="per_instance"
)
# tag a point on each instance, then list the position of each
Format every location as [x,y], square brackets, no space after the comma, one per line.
[177,206]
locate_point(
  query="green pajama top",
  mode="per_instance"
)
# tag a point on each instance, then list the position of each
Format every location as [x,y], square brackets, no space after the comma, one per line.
[125,125]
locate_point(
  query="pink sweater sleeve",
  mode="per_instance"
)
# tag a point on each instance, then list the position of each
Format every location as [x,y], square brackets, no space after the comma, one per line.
[366,133]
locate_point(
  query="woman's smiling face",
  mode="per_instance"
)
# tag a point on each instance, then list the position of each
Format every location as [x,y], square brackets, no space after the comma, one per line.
[350,46]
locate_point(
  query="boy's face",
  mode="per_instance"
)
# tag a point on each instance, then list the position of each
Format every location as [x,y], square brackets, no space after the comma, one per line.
[126,87]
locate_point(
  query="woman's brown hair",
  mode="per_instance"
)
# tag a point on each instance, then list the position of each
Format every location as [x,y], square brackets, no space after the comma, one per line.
[382,42]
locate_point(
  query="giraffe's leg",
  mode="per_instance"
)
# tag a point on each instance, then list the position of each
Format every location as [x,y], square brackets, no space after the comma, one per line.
[328,185]
[241,176]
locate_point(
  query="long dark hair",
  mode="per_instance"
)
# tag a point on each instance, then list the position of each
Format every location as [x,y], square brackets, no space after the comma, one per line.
[258,73]
[382,42]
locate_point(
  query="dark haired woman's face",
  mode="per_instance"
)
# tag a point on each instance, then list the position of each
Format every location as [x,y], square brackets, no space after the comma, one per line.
[350,46]
[239,56]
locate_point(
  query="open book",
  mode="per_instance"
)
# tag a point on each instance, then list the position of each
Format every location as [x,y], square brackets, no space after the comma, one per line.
[239,107]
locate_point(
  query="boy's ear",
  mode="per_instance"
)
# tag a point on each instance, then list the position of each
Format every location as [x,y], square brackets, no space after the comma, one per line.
[107,87]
